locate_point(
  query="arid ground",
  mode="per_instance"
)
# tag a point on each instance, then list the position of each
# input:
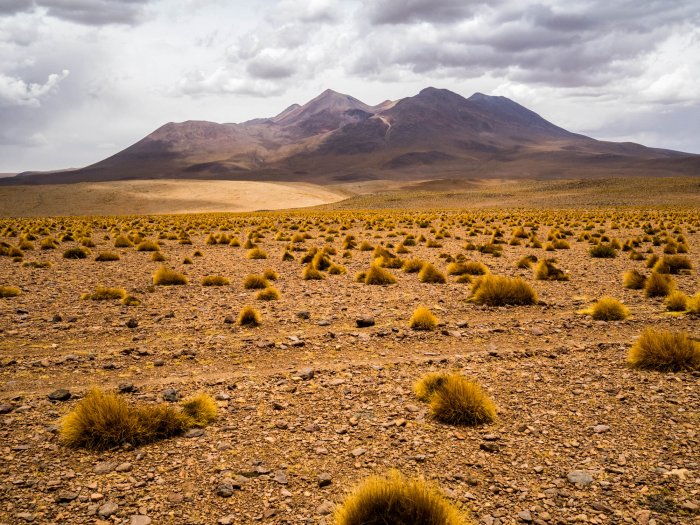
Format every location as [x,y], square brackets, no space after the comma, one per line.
[309,397]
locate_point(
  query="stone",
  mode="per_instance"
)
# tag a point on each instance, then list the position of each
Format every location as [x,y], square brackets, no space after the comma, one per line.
[358,452]
[599,429]
[281,477]
[194,433]
[126,388]
[525,516]
[325,508]
[489,447]
[229,319]
[304,314]
[324,479]
[579,477]
[132,323]
[171,395]
[65,496]
[107,509]
[123,467]
[305,374]
[225,489]
[140,519]
[60,395]
[364,322]
[5,408]
[104,467]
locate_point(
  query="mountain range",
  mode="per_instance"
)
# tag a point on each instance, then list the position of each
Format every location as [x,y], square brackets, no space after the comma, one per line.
[337,138]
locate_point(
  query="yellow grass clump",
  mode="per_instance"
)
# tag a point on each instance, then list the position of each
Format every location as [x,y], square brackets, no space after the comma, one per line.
[426,386]
[457,401]
[249,316]
[255,282]
[693,305]
[103,293]
[215,280]
[547,270]
[429,274]
[659,285]
[309,273]
[148,246]
[423,319]
[609,309]
[676,301]
[9,291]
[268,294]
[379,276]
[665,351]
[633,280]
[396,500]
[107,256]
[412,265]
[103,420]
[496,290]
[257,253]
[164,276]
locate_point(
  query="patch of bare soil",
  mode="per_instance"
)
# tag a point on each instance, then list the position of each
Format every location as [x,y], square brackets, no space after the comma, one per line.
[309,396]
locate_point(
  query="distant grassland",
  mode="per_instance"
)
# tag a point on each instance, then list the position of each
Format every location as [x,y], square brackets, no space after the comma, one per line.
[582,193]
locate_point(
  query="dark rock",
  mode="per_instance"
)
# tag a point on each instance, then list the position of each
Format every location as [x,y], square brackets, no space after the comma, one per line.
[60,395]
[171,395]
[229,319]
[127,388]
[305,374]
[6,409]
[304,314]
[364,322]
[489,447]
[132,323]
[324,479]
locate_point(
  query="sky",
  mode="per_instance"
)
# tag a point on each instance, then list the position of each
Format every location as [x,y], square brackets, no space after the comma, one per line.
[83,79]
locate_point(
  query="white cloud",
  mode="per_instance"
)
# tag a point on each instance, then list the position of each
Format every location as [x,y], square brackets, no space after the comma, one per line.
[16,92]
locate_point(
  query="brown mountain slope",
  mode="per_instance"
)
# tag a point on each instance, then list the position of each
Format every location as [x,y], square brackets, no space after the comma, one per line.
[335,138]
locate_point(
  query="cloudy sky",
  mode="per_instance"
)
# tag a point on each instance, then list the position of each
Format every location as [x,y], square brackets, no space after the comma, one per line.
[82,79]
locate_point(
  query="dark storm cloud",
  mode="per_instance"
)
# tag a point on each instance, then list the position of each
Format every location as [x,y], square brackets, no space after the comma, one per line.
[562,44]
[96,12]
[11,7]
[394,12]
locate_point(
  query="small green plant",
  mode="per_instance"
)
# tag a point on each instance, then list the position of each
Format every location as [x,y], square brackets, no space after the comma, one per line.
[396,500]
[164,276]
[665,351]
[423,319]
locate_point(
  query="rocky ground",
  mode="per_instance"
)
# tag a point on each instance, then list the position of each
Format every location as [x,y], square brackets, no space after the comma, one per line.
[310,404]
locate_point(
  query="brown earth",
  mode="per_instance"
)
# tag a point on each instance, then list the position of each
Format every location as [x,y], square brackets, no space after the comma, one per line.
[566,399]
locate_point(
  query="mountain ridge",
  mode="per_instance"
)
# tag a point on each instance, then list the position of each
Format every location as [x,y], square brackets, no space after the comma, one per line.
[336,137]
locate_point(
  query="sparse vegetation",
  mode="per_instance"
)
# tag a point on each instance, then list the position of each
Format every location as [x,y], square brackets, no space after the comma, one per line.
[215,280]
[609,309]
[496,290]
[429,274]
[378,276]
[659,285]
[107,256]
[102,293]
[164,276]
[9,291]
[423,319]
[455,400]
[633,280]
[268,294]
[249,316]
[665,351]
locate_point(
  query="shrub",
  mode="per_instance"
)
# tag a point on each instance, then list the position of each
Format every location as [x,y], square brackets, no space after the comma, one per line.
[526,261]
[249,316]
[673,264]
[75,253]
[271,275]
[164,276]
[107,256]
[426,386]
[659,285]
[547,270]
[412,265]
[633,280]
[268,294]
[130,300]
[474,268]
[693,305]
[103,420]
[603,251]
[379,276]
[676,301]
[215,280]
[665,351]
[609,309]
[430,274]
[287,256]
[157,257]
[496,290]
[9,291]
[257,253]
[122,242]
[423,319]
[337,269]
[147,246]
[393,499]
[48,243]
[255,282]
[311,274]
[105,294]
[458,401]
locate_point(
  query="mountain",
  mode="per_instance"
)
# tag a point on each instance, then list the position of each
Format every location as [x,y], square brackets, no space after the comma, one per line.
[336,138]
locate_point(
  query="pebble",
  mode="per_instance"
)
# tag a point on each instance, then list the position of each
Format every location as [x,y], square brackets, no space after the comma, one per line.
[171,394]
[140,519]
[579,477]
[325,508]
[281,477]
[525,516]
[132,323]
[358,452]
[225,489]
[599,429]
[60,395]
[106,510]
[304,314]
[324,479]
[364,322]
[194,432]
[305,374]
[5,408]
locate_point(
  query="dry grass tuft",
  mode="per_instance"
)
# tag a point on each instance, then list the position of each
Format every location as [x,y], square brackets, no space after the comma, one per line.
[676,301]
[255,282]
[311,274]
[148,246]
[257,253]
[249,316]
[609,309]
[75,253]
[633,280]
[412,265]
[103,420]
[430,274]
[378,276]
[693,305]
[164,276]
[673,264]
[268,294]
[426,386]
[423,319]
[9,291]
[396,500]
[102,293]
[665,351]
[496,290]
[215,280]
[458,401]
[659,285]
[547,270]
[107,256]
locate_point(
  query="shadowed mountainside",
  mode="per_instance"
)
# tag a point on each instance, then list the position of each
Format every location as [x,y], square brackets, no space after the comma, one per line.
[336,138]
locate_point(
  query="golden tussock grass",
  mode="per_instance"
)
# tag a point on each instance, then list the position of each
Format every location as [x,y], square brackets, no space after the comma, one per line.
[457,401]
[122,241]
[496,290]
[157,257]
[430,274]
[609,309]
[75,253]
[268,294]
[633,280]
[426,386]
[659,285]
[103,420]
[673,264]
[255,282]
[164,276]
[337,269]
[423,319]
[271,275]
[547,270]
[676,301]
[396,500]
[412,265]
[215,280]
[249,316]
[309,273]
[130,300]
[693,305]
[107,256]
[257,253]
[9,291]
[378,276]
[665,351]
[148,246]
[103,293]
